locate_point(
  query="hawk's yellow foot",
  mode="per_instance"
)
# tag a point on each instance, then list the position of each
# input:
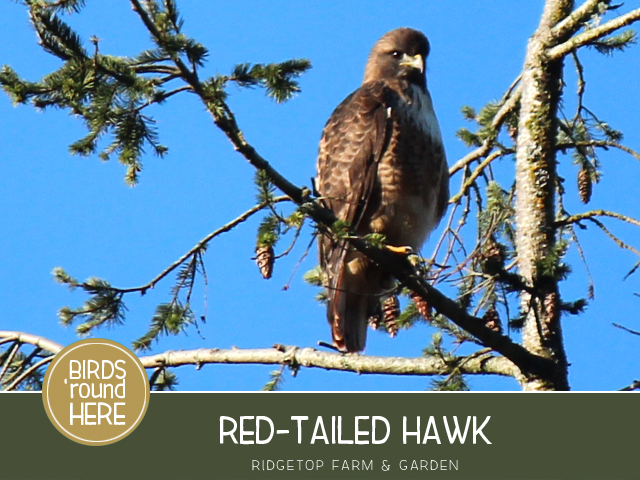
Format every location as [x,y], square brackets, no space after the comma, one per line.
[400,250]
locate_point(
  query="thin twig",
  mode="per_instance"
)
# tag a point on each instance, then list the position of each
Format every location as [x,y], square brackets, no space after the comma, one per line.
[23,364]
[201,244]
[299,262]
[287,251]
[581,85]
[478,171]
[184,88]
[600,144]
[634,332]
[618,242]
[583,257]
[597,213]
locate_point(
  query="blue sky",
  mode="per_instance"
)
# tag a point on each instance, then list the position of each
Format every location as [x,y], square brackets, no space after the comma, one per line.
[59,210]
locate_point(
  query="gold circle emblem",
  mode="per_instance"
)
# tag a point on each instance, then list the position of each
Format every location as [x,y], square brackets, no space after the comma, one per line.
[95,391]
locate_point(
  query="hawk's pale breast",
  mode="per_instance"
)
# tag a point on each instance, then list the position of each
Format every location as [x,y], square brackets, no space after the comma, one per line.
[410,172]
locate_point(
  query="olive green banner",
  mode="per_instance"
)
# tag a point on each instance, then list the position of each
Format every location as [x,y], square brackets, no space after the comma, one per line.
[339,435]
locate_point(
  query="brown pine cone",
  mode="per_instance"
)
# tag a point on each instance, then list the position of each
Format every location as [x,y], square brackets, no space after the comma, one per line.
[391,312]
[585,185]
[423,307]
[492,320]
[265,259]
[374,321]
[492,259]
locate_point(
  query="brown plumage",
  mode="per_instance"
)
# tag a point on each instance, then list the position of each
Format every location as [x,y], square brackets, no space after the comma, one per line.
[381,167]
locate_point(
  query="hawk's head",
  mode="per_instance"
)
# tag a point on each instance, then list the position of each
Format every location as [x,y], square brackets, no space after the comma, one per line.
[400,53]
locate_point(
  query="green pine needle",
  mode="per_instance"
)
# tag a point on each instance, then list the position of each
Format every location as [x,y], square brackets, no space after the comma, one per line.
[56,36]
[278,79]
[276,379]
[615,43]
[103,308]
[163,380]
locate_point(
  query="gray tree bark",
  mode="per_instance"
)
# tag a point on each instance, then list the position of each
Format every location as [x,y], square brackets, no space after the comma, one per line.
[535,198]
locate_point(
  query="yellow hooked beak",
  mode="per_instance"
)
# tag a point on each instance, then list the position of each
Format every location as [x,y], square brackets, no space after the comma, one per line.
[413,62]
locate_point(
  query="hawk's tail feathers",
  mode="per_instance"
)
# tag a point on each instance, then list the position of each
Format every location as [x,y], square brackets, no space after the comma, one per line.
[351,301]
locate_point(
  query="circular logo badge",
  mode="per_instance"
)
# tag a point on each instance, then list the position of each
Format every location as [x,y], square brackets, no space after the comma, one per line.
[95,391]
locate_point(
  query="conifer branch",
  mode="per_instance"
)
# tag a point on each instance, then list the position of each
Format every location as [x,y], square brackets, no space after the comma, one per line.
[190,76]
[507,104]
[589,36]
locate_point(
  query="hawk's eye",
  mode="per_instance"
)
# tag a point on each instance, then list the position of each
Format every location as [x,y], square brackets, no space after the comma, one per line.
[396,54]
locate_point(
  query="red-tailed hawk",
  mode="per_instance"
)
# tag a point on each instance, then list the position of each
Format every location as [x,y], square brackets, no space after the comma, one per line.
[381,167]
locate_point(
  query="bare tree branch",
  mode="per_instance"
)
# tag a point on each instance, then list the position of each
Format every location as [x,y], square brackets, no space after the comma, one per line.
[312,358]
[479,363]
[35,340]
[592,34]
[572,23]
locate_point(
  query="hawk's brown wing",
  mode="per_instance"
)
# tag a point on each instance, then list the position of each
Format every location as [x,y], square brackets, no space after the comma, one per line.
[352,143]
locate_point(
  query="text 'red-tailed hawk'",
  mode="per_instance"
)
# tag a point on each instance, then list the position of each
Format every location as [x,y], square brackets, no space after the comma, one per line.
[381,167]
